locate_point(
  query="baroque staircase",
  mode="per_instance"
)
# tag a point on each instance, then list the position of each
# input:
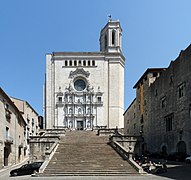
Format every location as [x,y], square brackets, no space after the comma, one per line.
[82,153]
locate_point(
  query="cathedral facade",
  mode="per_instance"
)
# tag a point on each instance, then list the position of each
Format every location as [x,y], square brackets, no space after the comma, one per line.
[86,89]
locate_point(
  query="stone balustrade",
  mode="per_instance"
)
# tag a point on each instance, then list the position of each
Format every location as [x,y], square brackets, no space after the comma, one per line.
[43,145]
[105,131]
[124,146]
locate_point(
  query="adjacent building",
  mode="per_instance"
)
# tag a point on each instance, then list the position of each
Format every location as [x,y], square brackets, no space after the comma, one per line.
[86,89]
[31,118]
[161,111]
[12,132]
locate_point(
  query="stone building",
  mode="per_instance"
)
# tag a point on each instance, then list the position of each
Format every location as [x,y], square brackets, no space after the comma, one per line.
[12,128]
[161,112]
[31,118]
[86,89]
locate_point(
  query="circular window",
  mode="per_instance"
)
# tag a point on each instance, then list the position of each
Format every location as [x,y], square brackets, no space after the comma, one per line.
[79,85]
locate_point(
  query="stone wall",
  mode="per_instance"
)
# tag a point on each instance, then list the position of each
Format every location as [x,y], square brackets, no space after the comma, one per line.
[163,107]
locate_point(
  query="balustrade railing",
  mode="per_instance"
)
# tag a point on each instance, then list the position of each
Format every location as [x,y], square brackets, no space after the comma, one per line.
[124,145]
[105,131]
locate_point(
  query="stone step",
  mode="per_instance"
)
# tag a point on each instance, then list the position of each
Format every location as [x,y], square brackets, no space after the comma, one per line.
[82,153]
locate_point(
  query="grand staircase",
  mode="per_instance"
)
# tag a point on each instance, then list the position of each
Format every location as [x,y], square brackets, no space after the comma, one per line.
[82,153]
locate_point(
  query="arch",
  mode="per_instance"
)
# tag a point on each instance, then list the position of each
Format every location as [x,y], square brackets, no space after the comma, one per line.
[113,37]
[93,63]
[84,63]
[66,63]
[181,147]
[70,124]
[164,148]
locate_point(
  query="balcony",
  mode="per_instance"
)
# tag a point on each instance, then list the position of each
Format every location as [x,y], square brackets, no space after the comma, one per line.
[9,140]
[99,103]
[59,104]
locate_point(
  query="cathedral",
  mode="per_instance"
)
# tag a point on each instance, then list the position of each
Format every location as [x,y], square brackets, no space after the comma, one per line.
[84,90]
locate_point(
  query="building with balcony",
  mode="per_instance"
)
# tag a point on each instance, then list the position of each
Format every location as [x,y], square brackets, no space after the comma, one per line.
[12,132]
[86,89]
[31,118]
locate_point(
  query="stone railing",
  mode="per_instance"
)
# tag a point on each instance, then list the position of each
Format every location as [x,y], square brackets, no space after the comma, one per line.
[48,155]
[124,146]
[107,132]
[50,132]
[41,146]
[99,127]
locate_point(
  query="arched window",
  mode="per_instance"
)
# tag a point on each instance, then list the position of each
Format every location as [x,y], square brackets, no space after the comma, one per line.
[66,63]
[93,63]
[113,37]
[84,63]
[88,63]
[75,63]
[79,63]
[70,63]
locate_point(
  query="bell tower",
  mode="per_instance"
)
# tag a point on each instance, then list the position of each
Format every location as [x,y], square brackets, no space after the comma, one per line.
[111,37]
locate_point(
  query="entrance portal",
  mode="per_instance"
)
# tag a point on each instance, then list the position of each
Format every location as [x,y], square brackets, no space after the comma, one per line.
[80,125]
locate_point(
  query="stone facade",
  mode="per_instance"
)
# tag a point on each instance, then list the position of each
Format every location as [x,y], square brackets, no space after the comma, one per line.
[12,139]
[162,108]
[86,89]
[31,118]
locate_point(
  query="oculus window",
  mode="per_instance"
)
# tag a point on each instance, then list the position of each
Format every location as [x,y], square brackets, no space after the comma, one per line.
[79,85]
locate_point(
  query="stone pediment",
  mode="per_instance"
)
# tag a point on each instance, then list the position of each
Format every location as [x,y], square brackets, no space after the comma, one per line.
[79,71]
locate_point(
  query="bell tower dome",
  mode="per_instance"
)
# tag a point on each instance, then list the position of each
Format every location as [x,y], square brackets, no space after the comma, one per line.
[111,37]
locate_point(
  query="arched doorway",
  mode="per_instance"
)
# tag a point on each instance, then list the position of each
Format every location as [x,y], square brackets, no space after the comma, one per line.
[181,147]
[164,149]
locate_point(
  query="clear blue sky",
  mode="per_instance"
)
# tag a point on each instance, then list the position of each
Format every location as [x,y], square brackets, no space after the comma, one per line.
[154,32]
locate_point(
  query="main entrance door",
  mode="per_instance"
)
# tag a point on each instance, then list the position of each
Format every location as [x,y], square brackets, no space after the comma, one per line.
[80,125]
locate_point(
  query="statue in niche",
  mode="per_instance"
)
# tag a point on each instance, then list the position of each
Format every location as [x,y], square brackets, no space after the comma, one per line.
[79,111]
[70,111]
[70,98]
[88,111]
